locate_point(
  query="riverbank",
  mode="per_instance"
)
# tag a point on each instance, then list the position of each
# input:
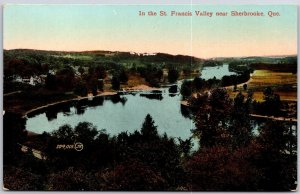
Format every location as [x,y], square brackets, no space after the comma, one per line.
[66,101]
[141,87]
[138,88]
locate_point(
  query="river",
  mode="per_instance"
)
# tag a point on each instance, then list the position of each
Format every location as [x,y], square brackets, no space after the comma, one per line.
[119,113]
[216,71]
[125,112]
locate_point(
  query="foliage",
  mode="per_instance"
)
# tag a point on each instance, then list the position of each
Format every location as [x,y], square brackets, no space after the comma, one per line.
[51,82]
[218,169]
[186,88]
[198,83]
[173,75]
[115,83]
[211,115]
[65,78]
[149,130]
[81,70]
[13,133]
[271,104]
[17,179]
[240,121]
[134,175]
[123,76]
[80,89]
[152,74]
[229,80]
[263,163]
[72,180]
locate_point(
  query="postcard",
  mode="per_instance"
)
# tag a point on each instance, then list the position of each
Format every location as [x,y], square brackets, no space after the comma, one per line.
[149,97]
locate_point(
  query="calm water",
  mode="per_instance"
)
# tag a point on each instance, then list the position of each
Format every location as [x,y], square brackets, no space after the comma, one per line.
[120,113]
[217,71]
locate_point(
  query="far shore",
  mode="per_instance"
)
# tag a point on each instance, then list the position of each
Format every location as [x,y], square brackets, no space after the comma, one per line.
[137,88]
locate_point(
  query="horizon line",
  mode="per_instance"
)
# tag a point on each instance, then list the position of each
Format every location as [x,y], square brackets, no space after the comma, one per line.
[208,58]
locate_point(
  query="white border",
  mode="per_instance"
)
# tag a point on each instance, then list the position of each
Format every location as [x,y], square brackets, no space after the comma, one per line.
[126,2]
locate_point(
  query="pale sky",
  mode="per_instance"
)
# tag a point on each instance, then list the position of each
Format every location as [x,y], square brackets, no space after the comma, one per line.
[119,28]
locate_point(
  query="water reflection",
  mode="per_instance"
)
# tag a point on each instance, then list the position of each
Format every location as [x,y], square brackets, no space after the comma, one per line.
[66,110]
[152,96]
[80,109]
[117,98]
[173,89]
[97,101]
[172,95]
[51,114]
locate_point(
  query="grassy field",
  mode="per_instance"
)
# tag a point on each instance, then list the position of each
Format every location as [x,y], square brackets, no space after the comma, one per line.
[284,84]
[270,78]
[285,96]
[134,80]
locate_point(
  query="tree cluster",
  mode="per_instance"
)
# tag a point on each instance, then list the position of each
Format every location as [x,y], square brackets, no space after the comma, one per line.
[143,160]
[231,157]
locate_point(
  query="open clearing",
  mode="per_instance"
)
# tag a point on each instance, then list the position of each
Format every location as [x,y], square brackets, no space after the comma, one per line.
[284,84]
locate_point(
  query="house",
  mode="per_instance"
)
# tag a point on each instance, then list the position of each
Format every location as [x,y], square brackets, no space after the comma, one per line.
[32,80]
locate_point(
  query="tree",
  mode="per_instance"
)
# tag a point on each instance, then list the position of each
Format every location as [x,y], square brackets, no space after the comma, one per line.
[186,88]
[80,89]
[273,137]
[173,75]
[45,68]
[100,72]
[277,164]
[50,82]
[187,70]
[123,76]
[85,133]
[240,121]
[163,154]
[159,74]
[94,90]
[93,85]
[272,103]
[66,77]
[19,179]
[72,179]
[65,134]
[13,133]
[185,146]
[136,176]
[115,83]
[81,70]
[211,114]
[152,75]
[245,86]
[100,85]
[198,83]
[219,169]
[148,128]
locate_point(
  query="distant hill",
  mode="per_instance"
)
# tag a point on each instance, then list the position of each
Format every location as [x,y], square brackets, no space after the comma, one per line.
[151,58]
[261,59]
[130,59]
